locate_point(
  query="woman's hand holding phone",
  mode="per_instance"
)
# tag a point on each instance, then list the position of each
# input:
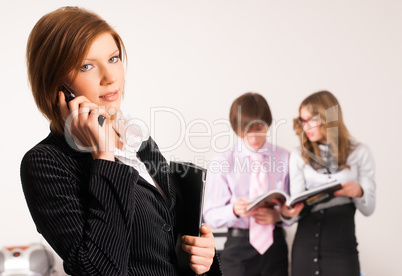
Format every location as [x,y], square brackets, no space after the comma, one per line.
[81,117]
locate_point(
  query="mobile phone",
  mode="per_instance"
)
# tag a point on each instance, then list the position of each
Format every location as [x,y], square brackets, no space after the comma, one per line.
[69,95]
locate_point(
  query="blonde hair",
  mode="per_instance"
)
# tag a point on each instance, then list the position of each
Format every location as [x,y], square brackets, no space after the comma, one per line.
[325,106]
[56,47]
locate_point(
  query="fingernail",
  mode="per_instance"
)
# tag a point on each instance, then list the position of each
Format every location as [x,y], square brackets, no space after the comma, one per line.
[204,227]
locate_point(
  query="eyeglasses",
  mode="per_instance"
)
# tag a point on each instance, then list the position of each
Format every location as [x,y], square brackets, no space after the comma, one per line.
[313,122]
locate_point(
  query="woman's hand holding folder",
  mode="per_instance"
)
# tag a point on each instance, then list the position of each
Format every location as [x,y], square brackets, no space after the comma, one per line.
[200,249]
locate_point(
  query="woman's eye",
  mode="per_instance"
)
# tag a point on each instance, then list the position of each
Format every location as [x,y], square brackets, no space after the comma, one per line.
[86,67]
[114,59]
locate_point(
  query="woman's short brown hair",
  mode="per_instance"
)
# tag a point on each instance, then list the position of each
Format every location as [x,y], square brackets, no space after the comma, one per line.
[57,45]
[248,109]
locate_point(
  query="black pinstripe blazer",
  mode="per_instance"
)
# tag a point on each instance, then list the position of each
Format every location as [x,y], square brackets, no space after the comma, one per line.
[101,217]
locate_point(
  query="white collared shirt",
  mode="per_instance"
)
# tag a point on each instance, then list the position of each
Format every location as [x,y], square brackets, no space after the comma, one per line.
[135,133]
[361,170]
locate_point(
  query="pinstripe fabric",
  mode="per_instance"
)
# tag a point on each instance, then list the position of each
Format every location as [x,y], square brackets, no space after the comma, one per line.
[100,216]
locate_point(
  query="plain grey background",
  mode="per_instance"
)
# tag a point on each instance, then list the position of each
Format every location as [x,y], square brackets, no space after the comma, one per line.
[188,60]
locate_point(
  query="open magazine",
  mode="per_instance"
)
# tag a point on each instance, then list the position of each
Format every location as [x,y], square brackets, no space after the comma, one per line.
[310,197]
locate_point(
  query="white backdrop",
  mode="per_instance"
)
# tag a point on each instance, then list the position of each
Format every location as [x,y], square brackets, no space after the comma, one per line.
[188,60]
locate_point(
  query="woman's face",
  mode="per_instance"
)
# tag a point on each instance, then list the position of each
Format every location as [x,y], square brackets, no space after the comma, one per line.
[312,126]
[101,75]
[256,137]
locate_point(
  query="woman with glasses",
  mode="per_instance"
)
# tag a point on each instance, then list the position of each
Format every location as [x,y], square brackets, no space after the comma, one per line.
[325,241]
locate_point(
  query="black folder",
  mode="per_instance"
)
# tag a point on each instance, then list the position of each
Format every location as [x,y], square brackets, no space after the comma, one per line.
[190,180]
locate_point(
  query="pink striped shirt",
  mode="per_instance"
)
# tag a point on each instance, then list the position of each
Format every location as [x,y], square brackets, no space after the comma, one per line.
[228,179]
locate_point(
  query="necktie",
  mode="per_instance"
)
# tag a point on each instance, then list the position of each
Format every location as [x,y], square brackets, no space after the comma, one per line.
[261,236]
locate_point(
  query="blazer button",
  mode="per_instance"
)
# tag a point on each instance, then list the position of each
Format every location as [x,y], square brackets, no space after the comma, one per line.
[166,227]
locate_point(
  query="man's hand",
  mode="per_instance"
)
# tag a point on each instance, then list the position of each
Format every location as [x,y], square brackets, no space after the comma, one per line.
[266,215]
[239,207]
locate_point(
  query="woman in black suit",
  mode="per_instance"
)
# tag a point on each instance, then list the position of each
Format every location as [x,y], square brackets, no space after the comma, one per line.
[103,215]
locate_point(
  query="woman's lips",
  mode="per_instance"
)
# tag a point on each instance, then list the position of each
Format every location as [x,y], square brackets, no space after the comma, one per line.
[110,97]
